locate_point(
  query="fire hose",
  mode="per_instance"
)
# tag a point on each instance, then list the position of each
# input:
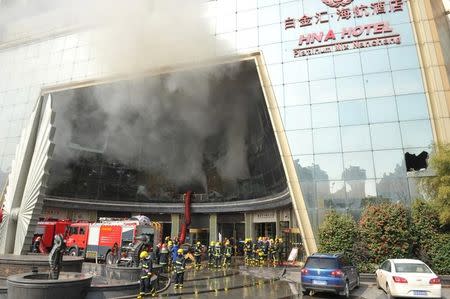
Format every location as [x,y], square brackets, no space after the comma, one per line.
[187,216]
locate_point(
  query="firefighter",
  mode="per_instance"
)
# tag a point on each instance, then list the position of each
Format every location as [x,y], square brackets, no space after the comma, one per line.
[265,251]
[217,254]
[164,257]
[211,254]
[180,264]
[228,251]
[254,260]
[198,255]
[36,244]
[276,252]
[247,251]
[146,286]
[170,256]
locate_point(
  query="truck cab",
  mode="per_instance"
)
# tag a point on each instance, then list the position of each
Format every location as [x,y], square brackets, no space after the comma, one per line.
[77,235]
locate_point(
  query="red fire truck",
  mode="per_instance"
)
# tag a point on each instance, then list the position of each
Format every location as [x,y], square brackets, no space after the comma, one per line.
[46,231]
[106,239]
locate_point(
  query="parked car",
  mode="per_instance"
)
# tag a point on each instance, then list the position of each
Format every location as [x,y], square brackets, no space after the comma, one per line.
[408,278]
[329,273]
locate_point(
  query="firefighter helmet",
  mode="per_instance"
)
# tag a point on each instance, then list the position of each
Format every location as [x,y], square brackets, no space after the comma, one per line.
[143,255]
[180,251]
[170,243]
[217,243]
[227,242]
[212,243]
[198,243]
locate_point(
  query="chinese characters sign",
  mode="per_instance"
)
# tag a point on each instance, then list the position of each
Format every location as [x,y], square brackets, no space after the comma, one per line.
[361,36]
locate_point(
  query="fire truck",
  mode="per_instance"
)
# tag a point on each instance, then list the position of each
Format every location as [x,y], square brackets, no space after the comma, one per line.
[46,230]
[111,239]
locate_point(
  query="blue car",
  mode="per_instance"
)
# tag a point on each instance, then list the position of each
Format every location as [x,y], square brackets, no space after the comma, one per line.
[329,273]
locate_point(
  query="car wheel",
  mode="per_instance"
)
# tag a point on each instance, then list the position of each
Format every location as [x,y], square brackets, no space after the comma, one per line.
[388,292]
[73,251]
[305,292]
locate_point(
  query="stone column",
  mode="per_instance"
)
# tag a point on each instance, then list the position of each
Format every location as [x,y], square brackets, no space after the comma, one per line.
[175,229]
[213,234]
[249,226]
[277,224]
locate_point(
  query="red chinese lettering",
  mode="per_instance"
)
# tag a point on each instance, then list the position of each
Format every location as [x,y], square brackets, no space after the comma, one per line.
[322,17]
[289,23]
[305,21]
[378,7]
[344,13]
[396,5]
[360,11]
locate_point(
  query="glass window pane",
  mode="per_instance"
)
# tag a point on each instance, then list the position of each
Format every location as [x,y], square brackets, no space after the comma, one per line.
[350,88]
[403,58]
[347,64]
[298,117]
[247,38]
[358,190]
[386,136]
[323,91]
[378,85]
[300,142]
[353,112]
[226,23]
[325,115]
[382,110]
[389,163]
[304,166]
[355,138]
[332,194]
[409,81]
[296,71]
[278,90]
[412,107]
[327,140]
[406,32]
[269,15]
[416,133]
[321,68]
[358,166]
[375,61]
[396,189]
[275,73]
[272,53]
[328,166]
[296,94]
[269,34]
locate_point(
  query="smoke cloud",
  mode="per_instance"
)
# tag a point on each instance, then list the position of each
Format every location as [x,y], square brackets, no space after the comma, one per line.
[169,120]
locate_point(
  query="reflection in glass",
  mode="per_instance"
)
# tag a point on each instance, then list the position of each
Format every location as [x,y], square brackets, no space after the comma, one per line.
[382,110]
[350,88]
[353,112]
[323,91]
[389,163]
[355,138]
[325,115]
[385,136]
[416,133]
[358,160]
[327,140]
[331,194]
[300,142]
[358,190]
[269,15]
[328,166]
[395,189]
[304,165]
[412,107]
[298,117]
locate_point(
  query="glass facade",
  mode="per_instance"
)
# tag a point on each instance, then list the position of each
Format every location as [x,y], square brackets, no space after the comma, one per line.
[349,116]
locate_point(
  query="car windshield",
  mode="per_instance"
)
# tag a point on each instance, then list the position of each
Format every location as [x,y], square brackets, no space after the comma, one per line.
[411,268]
[321,263]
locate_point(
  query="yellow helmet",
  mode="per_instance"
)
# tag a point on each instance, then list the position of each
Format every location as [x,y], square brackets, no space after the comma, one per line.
[227,242]
[271,240]
[280,240]
[217,243]
[212,243]
[180,251]
[143,255]
[198,243]
[260,238]
[170,243]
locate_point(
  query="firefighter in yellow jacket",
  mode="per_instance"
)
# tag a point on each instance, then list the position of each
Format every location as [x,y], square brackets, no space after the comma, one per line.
[146,286]
[180,265]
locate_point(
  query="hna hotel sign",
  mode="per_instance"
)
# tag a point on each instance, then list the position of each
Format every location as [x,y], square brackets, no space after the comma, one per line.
[361,36]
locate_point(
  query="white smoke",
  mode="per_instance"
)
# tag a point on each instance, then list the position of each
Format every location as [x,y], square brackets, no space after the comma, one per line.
[175,115]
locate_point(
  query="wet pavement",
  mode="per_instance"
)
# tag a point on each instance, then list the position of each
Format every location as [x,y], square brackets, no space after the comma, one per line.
[258,283]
